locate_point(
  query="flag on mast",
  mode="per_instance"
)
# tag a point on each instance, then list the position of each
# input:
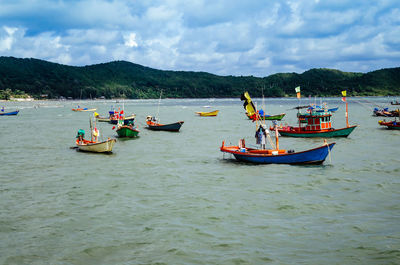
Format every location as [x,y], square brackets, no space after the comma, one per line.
[297,89]
[344,96]
[248,105]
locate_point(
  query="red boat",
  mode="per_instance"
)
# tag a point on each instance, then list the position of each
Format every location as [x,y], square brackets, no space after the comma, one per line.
[391,125]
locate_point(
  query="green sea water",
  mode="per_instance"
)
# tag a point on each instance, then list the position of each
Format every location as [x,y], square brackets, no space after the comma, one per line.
[174,198]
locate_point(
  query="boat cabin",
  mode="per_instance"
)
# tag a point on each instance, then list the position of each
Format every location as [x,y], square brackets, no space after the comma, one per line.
[316,120]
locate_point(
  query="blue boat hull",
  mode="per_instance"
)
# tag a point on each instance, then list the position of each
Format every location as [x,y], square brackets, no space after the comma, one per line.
[313,156]
[9,113]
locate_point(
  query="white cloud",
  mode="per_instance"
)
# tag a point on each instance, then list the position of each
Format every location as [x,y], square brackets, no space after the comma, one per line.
[130,40]
[223,37]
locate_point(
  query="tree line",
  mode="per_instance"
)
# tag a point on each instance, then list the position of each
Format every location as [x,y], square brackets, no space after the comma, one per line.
[121,79]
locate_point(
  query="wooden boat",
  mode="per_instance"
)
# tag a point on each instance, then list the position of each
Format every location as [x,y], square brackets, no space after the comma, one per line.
[153,124]
[391,125]
[208,114]
[126,119]
[2,113]
[96,147]
[395,102]
[115,117]
[316,123]
[93,145]
[83,109]
[127,131]
[276,117]
[267,156]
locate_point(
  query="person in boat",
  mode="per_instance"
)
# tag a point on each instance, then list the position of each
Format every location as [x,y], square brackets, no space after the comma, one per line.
[80,135]
[261,136]
[2,109]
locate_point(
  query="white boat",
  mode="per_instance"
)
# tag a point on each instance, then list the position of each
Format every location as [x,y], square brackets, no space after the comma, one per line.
[95,147]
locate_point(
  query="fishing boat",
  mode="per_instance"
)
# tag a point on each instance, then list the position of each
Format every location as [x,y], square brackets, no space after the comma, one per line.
[208,114]
[115,116]
[267,117]
[153,124]
[96,147]
[10,113]
[127,131]
[316,122]
[83,109]
[278,156]
[395,102]
[391,125]
[252,113]
[93,145]
[274,155]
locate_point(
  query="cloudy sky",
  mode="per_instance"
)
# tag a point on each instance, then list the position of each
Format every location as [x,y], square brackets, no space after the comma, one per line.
[224,37]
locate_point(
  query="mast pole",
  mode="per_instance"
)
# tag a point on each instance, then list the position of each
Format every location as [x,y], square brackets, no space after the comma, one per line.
[347,114]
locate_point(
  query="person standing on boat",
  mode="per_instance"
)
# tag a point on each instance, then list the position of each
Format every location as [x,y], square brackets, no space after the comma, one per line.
[261,136]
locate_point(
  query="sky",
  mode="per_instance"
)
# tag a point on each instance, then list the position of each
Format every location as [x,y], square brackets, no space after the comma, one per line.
[223,37]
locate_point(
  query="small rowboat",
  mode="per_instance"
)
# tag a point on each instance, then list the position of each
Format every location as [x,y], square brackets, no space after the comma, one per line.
[276,117]
[262,156]
[83,109]
[9,113]
[95,147]
[207,114]
[127,131]
[152,124]
[391,125]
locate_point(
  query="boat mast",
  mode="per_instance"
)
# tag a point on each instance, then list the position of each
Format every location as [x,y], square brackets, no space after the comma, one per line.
[158,109]
[347,114]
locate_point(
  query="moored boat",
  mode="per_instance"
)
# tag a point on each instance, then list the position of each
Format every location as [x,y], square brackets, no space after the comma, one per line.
[9,113]
[93,145]
[316,122]
[153,124]
[276,117]
[127,131]
[208,114]
[96,147]
[83,109]
[391,125]
[267,156]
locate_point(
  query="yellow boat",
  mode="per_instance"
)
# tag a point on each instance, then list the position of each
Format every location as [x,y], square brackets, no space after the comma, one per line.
[208,114]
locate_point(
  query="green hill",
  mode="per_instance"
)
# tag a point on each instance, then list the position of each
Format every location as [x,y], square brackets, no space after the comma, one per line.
[124,79]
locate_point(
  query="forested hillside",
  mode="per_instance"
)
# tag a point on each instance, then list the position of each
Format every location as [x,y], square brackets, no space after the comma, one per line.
[120,79]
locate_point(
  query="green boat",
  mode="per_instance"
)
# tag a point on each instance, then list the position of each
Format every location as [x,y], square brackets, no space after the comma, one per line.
[331,132]
[127,131]
[277,117]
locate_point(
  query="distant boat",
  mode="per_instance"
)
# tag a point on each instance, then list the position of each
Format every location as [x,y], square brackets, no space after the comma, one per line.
[2,113]
[276,117]
[83,109]
[395,102]
[115,116]
[208,114]
[153,124]
[391,125]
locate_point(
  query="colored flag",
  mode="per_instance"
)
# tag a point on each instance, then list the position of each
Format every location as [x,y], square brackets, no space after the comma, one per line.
[297,89]
[344,96]
[248,105]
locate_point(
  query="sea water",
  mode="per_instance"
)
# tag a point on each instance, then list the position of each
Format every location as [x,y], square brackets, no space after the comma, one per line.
[174,198]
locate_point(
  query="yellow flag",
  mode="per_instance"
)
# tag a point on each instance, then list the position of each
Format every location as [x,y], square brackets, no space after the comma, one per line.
[344,93]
